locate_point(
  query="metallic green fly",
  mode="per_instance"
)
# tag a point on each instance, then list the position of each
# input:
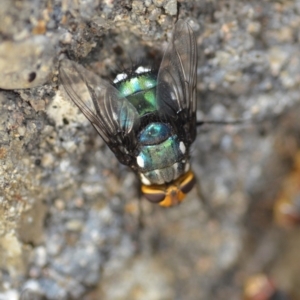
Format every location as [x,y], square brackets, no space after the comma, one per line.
[147,118]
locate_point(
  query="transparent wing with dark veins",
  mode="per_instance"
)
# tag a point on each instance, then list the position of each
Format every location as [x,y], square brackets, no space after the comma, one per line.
[114,118]
[177,79]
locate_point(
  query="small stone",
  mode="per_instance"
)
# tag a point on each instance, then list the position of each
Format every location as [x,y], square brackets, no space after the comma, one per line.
[154,14]
[66,38]
[171,7]
[148,3]
[159,3]
[38,105]
[21,130]
[138,7]
[74,225]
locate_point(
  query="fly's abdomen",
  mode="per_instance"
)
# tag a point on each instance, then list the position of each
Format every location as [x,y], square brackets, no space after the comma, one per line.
[162,156]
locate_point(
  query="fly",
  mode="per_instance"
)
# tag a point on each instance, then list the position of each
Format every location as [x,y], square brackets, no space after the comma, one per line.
[147,118]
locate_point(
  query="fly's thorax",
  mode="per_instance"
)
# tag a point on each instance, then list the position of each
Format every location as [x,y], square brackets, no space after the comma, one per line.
[139,88]
[161,157]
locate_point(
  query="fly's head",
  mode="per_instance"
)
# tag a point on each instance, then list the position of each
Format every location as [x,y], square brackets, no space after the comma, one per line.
[171,194]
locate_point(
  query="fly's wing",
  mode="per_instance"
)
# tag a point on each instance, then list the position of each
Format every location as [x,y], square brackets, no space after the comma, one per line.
[114,117]
[176,82]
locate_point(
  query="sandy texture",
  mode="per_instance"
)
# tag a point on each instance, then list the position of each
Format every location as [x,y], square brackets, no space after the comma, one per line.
[71,224]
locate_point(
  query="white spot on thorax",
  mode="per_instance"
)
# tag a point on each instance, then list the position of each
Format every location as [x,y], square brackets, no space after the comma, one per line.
[141,70]
[182,147]
[120,77]
[140,161]
[144,179]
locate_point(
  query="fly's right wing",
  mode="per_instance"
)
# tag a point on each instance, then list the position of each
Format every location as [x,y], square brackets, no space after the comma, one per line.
[113,116]
[177,80]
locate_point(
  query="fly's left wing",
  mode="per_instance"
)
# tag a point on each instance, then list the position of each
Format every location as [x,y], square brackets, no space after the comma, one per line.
[113,116]
[177,80]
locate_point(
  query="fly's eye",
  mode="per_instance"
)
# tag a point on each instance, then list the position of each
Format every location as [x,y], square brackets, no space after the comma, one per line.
[188,183]
[155,197]
[153,194]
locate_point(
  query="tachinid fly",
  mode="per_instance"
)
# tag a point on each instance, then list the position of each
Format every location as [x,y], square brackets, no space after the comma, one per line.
[147,119]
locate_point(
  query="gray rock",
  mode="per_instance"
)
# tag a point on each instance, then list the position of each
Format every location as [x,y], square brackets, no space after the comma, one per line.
[70,223]
[26,64]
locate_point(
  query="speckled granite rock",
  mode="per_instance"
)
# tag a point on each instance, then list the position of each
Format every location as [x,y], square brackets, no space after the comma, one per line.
[70,213]
[27,63]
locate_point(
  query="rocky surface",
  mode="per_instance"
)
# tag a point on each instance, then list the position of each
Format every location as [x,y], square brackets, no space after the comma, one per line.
[72,225]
